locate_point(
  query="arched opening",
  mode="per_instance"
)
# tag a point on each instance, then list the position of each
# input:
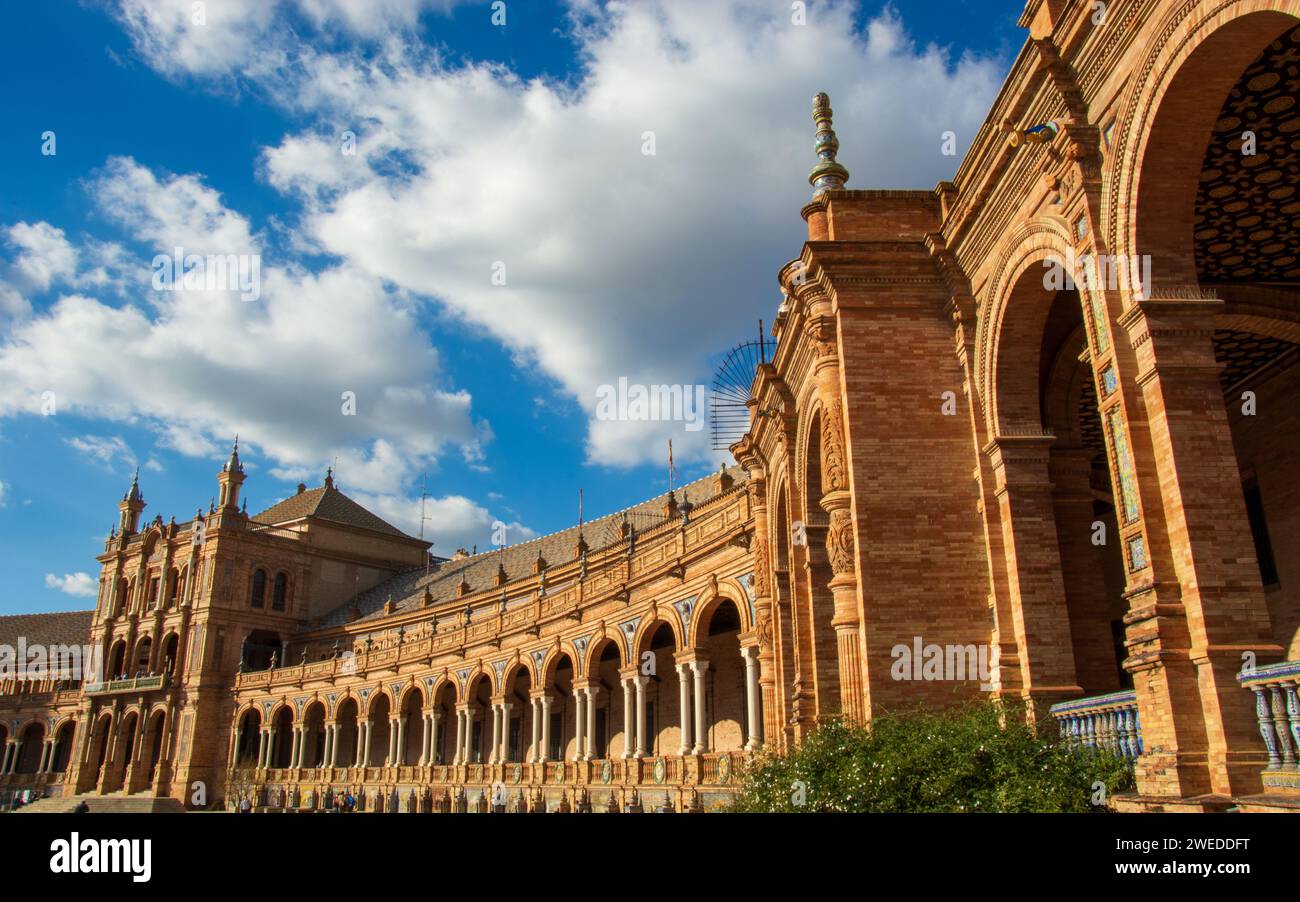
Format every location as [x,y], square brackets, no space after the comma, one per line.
[563,742]
[100,739]
[413,726]
[173,587]
[117,660]
[663,700]
[1218,208]
[380,728]
[280,592]
[282,738]
[444,710]
[63,746]
[346,737]
[171,647]
[154,736]
[248,739]
[123,749]
[257,598]
[820,643]
[32,739]
[313,735]
[725,709]
[120,597]
[480,715]
[519,733]
[140,660]
[609,739]
[1064,558]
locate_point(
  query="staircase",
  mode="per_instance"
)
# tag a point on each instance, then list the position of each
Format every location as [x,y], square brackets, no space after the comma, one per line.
[113,803]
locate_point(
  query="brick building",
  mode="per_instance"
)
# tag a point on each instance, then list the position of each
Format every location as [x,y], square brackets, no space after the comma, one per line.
[1044,411]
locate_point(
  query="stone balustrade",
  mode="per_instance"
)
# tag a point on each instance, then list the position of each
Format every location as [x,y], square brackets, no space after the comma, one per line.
[133,684]
[1103,721]
[1277,708]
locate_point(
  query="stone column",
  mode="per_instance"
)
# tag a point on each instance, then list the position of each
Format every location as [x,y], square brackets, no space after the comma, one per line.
[365,758]
[435,721]
[579,723]
[459,753]
[629,722]
[640,716]
[424,738]
[535,735]
[700,668]
[505,732]
[399,741]
[469,734]
[261,748]
[1203,738]
[590,693]
[1033,562]
[360,757]
[754,721]
[329,745]
[494,744]
[546,728]
[684,702]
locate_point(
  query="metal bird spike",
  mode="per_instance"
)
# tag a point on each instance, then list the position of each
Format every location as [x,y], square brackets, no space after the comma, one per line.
[827,174]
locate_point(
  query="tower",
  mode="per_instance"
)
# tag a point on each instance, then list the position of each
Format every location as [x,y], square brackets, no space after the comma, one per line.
[130,507]
[229,480]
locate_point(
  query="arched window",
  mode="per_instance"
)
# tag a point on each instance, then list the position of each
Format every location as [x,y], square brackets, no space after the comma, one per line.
[259,588]
[281,589]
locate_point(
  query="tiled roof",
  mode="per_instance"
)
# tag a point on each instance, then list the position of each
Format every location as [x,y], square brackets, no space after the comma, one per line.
[57,628]
[480,570]
[326,503]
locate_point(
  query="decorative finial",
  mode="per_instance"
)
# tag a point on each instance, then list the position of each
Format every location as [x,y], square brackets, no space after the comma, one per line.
[329,477]
[827,174]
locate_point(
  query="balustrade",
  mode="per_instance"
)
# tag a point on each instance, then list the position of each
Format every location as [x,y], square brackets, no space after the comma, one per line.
[1105,721]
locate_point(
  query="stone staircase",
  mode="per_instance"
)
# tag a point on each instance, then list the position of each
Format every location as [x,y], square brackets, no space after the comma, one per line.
[113,803]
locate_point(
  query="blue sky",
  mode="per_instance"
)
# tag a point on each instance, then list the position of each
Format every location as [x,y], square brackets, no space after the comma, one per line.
[476,145]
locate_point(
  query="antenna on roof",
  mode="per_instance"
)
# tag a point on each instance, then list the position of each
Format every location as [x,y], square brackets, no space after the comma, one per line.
[424,494]
[579,511]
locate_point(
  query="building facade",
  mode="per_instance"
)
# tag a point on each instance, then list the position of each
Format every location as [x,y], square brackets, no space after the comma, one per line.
[1046,411]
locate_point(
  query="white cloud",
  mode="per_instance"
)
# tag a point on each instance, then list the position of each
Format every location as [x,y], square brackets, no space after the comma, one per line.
[4,493]
[104,450]
[618,264]
[79,584]
[200,366]
[44,255]
[453,521]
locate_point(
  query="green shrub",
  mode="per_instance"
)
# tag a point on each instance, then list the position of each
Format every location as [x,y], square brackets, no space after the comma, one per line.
[963,759]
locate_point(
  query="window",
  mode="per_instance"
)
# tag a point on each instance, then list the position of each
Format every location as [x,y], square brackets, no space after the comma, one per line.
[152,601]
[1259,532]
[281,588]
[259,588]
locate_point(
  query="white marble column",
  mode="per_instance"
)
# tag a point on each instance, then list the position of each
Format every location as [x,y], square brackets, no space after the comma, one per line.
[469,735]
[329,745]
[458,755]
[579,724]
[365,760]
[640,716]
[435,721]
[494,744]
[425,716]
[591,693]
[505,732]
[359,759]
[546,727]
[629,723]
[752,697]
[700,668]
[397,736]
[684,706]
[535,734]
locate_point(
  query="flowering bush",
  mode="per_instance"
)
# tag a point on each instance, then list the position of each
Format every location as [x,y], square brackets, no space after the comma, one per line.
[973,758]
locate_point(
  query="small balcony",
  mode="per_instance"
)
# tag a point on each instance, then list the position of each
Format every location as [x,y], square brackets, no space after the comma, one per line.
[1277,709]
[1103,721]
[133,684]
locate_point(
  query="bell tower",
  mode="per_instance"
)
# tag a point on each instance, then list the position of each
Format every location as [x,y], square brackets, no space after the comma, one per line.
[130,507]
[229,481]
